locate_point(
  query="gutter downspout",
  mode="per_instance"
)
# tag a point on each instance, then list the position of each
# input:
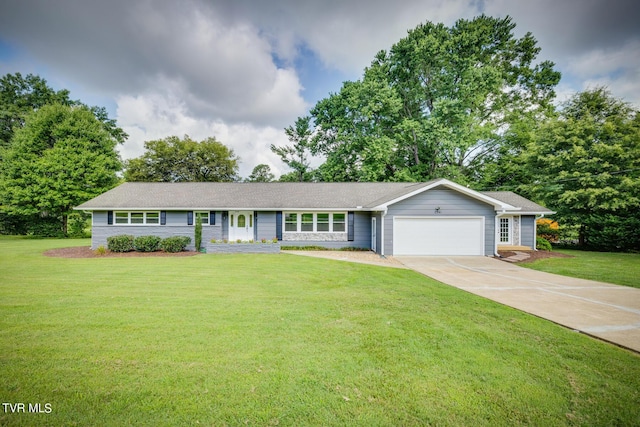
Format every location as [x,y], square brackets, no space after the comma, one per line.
[384,213]
[535,232]
[496,234]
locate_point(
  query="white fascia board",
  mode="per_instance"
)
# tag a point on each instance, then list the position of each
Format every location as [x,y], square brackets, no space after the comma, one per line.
[497,204]
[291,209]
[531,213]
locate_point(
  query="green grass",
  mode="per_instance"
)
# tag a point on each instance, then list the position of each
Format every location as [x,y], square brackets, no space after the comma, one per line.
[285,340]
[611,267]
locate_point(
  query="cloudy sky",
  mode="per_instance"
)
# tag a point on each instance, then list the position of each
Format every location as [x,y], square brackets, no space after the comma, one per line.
[243,70]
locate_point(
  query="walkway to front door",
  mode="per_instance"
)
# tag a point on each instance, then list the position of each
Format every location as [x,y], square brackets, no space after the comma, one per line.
[240,225]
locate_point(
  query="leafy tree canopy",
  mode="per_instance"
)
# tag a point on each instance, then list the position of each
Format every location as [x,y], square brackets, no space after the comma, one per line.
[586,164]
[296,155]
[61,157]
[261,173]
[20,96]
[183,160]
[434,105]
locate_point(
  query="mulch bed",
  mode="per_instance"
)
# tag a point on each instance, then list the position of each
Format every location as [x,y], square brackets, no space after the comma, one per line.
[536,255]
[86,252]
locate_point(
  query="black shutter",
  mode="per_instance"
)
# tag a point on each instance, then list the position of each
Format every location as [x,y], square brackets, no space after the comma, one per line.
[350,228]
[255,226]
[110,217]
[279,225]
[163,217]
[190,218]
[212,218]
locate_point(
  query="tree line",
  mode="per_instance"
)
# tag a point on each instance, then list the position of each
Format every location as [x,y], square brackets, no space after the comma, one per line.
[470,102]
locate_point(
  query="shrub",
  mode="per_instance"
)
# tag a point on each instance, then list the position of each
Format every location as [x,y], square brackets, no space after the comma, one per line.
[147,243]
[120,243]
[175,243]
[101,250]
[543,244]
[79,225]
[46,227]
[198,233]
[548,229]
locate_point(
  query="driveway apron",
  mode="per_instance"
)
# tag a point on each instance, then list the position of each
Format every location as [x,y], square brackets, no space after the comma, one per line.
[609,312]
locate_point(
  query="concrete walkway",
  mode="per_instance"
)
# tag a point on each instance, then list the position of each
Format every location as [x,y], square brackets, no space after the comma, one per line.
[603,310]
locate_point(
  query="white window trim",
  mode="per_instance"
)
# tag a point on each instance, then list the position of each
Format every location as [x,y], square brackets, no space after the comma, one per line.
[315,222]
[144,218]
[509,230]
[206,214]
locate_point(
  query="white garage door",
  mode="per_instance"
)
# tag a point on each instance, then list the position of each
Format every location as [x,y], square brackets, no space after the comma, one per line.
[438,236]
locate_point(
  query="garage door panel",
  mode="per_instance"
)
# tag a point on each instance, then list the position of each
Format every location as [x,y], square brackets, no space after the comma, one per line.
[438,236]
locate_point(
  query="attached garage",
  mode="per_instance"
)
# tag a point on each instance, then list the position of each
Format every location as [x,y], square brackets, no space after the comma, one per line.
[438,235]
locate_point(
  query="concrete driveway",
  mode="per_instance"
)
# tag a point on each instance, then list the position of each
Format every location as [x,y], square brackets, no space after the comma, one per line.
[603,310]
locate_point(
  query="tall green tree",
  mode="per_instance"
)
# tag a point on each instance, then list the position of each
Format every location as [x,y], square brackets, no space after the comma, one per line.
[19,97]
[296,155]
[61,157]
[586,165]
[183,160]
[261,173]
[435,104]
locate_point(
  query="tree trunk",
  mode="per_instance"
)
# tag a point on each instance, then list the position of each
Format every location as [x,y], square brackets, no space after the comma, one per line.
[582,240]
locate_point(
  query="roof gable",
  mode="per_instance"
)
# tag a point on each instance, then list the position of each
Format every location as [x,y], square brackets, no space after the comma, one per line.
[497,204]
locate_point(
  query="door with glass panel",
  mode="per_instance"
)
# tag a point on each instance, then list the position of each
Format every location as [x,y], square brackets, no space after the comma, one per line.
[241,225]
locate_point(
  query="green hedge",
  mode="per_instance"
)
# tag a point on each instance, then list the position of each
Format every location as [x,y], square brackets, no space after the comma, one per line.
[147,243]
[543,244]
[120,243]
[175,243]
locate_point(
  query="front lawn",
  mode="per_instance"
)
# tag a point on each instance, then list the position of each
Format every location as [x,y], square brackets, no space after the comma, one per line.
[285,340]
[610,267]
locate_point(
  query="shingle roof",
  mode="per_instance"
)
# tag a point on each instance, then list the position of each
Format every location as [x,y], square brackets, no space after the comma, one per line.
[514,199]
[220,195]
[268,196]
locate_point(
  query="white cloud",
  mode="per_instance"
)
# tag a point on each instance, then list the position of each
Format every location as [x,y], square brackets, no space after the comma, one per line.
[155,116]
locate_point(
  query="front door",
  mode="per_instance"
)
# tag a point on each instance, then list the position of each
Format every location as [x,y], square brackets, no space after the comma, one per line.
[240,225]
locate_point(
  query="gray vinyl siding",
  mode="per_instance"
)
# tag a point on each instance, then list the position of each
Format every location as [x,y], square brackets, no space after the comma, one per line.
[451,203]
[176,226]
[266,225]
[362,235]
[528,231]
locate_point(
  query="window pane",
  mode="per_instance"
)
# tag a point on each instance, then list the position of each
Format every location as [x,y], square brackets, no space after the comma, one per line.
[504,230]
[338,222]
[153,218]
[323,222]
[122,218]
[204,217]
[291,222]
[241,220]
[307,222]
[137,218]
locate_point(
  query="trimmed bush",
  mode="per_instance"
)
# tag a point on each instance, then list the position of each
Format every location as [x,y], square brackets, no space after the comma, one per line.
[120,243]
[543,244]
[147,243]
[175,243]
[198,233]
